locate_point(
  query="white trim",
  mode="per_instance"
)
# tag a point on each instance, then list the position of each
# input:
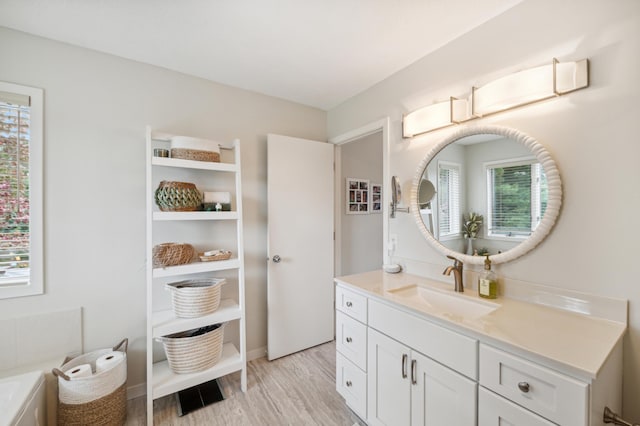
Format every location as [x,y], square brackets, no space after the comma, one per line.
[383,125]
[35,285]
[553,181]
[261,352]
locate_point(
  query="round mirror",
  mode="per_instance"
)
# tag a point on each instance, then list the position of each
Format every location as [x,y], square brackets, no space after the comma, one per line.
[486,190]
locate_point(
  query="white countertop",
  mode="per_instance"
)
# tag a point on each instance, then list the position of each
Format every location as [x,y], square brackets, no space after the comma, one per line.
[579,342]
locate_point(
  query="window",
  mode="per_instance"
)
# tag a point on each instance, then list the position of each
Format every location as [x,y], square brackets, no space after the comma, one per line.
[21,260]
[517,197]
[448,200]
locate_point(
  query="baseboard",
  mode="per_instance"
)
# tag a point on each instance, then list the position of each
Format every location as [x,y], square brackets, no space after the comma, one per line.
[136,391]
[257,353]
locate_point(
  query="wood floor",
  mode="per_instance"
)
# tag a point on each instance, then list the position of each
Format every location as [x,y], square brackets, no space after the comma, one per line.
[295,390]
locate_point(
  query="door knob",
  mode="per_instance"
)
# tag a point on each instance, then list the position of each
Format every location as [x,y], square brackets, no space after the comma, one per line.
[276,259]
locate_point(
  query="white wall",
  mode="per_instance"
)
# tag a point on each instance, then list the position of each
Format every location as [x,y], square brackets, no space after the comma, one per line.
[592,134]
[96,109]
[361,233]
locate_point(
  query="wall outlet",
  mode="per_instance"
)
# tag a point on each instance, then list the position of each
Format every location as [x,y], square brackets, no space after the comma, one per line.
[393,241]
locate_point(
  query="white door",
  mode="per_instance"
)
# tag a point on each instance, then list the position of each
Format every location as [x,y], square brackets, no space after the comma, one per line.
[388,387]
[300,244]
[440,396]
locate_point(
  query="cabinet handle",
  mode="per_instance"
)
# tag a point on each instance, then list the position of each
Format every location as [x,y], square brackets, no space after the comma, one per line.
[414,377]
[349,340]
[524,386]
[349,304]
[348,383]
[404,366]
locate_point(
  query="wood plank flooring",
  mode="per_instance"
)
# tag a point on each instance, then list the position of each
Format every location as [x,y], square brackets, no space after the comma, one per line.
[295,390]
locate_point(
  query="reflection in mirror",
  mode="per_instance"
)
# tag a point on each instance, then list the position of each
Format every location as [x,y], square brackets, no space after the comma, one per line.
[492,194]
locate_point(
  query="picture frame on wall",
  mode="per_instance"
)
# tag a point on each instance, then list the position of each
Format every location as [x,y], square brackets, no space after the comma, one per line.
[358,196]
[376,198]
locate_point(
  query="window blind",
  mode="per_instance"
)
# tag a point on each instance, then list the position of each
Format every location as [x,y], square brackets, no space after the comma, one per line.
[14,180]
[517,198]
[448,199]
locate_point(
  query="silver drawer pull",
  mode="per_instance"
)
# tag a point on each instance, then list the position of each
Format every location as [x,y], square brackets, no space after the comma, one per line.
[404,366]
[349,340]
[349,304]
[524,386]
[414,376]
[349,383]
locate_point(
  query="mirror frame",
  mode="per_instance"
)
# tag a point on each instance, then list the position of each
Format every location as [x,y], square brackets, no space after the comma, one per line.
[553,204]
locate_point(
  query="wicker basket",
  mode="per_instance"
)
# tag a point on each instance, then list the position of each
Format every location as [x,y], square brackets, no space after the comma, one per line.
[195,154]
[171,254]
[195,298]
[220,255]
[98,399]
[178,197]
[194,350]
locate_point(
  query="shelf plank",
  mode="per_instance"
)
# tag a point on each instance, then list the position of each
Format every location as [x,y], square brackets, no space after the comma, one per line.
[166,382]
[195,216]
[192,164]
[165,322]
[196,267]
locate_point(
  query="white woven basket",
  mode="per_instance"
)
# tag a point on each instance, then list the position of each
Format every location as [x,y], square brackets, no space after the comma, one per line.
[194,350]
[80,390]
[195,298]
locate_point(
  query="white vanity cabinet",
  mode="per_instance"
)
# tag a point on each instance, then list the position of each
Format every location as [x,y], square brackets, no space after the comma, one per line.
[408,388]
[548,393]
[351,349]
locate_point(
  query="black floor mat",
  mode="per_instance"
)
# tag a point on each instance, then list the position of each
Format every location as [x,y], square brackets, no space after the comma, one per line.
[198,396]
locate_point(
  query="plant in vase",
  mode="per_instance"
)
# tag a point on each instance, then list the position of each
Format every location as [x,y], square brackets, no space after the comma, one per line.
[471,224]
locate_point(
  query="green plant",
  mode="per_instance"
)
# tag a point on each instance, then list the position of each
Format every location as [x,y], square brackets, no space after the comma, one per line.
[471,224]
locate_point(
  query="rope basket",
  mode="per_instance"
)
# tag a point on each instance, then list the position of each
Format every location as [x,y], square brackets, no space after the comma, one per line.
[195,154]
[195,298]
[178,196]
[171,254]
[97,399]
[194,350]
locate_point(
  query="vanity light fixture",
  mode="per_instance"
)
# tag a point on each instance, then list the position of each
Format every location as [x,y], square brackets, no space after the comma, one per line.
[511,91]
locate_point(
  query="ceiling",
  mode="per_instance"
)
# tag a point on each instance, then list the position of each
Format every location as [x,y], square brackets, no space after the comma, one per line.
[315,52]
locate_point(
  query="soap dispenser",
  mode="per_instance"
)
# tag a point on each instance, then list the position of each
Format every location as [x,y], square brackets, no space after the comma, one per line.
[488,282]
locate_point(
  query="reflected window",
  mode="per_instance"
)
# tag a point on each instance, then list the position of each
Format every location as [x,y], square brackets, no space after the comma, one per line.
[448,200]
[517,197]
[20,191]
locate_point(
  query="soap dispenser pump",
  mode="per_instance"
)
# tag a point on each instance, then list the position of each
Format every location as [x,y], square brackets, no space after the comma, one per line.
[488,282]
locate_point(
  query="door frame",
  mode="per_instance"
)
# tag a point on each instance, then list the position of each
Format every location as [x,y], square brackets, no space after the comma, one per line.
[383,126]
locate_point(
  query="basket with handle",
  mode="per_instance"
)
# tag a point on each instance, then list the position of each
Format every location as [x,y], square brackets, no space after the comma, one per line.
[97,399]
[195,298]
[194,350]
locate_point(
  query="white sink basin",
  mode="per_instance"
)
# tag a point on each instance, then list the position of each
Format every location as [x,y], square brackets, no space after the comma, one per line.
[454,305]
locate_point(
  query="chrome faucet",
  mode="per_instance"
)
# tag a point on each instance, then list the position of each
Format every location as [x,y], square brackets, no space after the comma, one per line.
[456,268]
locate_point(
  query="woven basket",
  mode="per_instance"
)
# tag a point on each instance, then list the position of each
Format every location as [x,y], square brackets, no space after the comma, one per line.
[171,254]
[195,154]
[178,197]
[194,350]
[221,255]
[195,298]
[99,399]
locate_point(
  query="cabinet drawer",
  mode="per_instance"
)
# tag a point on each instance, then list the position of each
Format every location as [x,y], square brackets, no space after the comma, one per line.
[352,304]
[554,396]
[494,410]
[454,350]
[351,339]
[351,383]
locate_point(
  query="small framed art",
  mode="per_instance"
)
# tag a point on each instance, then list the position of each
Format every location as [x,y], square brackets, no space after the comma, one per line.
[357,191]
[376,198]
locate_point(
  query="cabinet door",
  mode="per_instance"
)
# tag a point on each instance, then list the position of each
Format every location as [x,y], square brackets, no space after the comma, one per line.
[439,395]
[389,386]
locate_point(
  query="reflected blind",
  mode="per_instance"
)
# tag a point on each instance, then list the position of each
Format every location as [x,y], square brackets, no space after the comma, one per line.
[517,198]
[14,180]
[448,199]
